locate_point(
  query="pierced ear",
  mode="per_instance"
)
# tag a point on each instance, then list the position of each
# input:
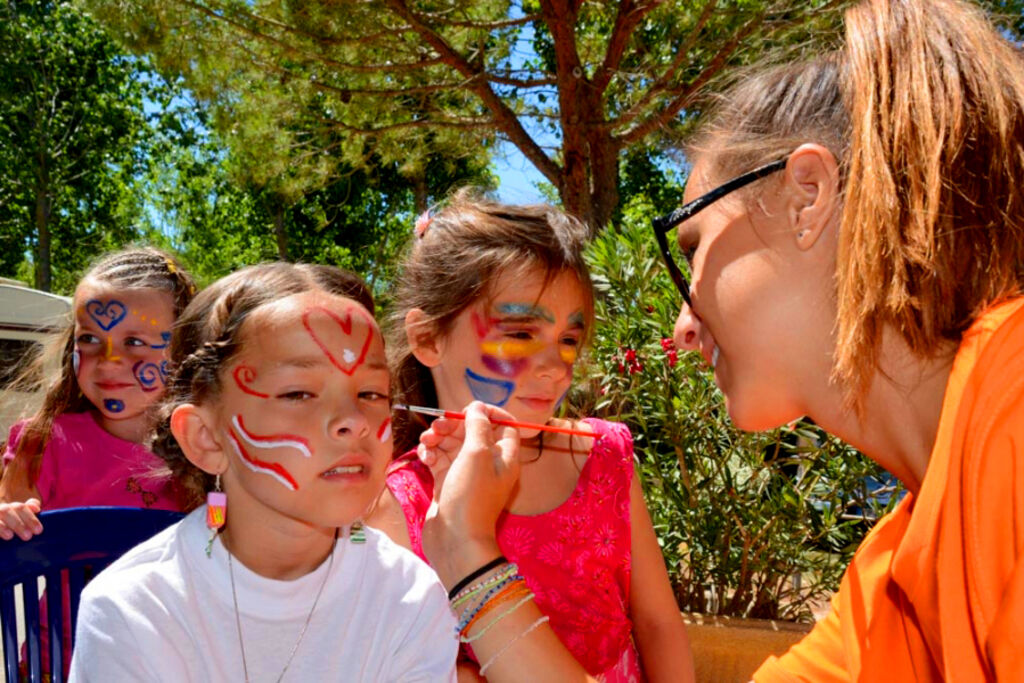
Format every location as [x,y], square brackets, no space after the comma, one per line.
[812,177]
[424,341]
[194,429]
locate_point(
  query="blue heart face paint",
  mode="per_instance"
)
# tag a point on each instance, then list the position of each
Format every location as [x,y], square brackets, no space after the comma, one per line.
[106,314]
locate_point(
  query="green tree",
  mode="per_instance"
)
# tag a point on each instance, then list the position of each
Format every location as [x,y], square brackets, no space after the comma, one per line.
[222,209]
[574,85]
[71,119]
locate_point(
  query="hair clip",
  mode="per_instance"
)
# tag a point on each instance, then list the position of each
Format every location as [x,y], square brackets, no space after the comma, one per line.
[422,223]
[171,268]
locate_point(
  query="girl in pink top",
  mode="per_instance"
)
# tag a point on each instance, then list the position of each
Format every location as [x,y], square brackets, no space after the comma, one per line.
[83,446]
[494,304]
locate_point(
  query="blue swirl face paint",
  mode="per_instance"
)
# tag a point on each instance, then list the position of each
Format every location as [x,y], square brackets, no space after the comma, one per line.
[150,376]
[113,405]
[495,392]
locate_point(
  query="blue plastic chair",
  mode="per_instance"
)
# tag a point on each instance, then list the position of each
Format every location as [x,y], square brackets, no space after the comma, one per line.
[76,543]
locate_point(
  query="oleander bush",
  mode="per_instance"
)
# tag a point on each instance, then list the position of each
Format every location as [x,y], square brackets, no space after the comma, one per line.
[751,524]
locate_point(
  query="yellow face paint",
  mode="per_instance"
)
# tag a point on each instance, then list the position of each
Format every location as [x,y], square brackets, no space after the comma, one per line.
[512,348]
[108,354]
[568,354]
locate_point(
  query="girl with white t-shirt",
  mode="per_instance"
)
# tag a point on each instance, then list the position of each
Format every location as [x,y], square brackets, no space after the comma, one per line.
[277,411]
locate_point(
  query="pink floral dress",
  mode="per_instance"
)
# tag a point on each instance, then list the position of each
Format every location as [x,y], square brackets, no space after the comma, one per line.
[575,558]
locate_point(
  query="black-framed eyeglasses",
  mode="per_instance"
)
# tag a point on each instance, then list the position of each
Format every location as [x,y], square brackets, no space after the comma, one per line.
[663,224]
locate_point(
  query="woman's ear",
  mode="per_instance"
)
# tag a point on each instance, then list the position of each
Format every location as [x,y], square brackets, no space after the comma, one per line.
[812,178]
[195,431]
[424,342]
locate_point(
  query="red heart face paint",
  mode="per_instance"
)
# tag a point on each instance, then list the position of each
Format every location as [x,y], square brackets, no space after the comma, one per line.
[333,334]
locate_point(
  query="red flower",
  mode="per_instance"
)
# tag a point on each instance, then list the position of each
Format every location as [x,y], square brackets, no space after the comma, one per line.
[630,356]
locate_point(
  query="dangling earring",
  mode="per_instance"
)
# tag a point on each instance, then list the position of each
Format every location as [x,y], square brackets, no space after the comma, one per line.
[216,512]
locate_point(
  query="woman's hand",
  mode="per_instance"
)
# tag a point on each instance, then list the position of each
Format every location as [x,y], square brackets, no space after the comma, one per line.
[476,468]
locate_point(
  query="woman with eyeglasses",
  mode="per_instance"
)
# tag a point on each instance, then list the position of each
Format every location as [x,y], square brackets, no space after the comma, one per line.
[855,235]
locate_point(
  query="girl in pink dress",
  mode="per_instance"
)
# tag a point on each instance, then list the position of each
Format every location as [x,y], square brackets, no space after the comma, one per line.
[494,304]
[84,445]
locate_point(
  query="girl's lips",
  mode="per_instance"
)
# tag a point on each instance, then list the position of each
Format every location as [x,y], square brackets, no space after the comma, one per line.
[348,469]
[114,386]
[537,403]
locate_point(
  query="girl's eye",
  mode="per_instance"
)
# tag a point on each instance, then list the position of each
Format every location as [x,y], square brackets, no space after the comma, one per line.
[297,395]
[87,339]
[372,396]
[519,334]
[134,341]
[570,341]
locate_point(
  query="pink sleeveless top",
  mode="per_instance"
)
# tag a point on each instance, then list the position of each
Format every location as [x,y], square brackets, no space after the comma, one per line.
[575,558]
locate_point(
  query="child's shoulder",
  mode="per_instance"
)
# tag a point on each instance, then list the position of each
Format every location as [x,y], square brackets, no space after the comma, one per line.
[394,559]
[610,438]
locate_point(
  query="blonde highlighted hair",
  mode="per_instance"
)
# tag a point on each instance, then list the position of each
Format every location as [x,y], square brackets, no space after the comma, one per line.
[923,107]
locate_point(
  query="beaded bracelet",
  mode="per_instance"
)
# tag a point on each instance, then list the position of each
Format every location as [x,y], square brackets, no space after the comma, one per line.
[475,574]
[524,597]
[510,571]
[534,625]
[468,615]
[499,598]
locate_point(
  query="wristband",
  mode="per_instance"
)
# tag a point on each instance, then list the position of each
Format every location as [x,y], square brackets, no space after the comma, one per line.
[496,562]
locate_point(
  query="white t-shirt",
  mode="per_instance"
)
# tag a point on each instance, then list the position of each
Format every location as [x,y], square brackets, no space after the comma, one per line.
[163,612]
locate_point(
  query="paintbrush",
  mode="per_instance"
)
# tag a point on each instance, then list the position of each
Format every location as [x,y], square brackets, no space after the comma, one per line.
[452,415]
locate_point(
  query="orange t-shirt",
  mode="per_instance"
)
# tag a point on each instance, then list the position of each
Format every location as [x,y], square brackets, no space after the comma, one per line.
[936,590]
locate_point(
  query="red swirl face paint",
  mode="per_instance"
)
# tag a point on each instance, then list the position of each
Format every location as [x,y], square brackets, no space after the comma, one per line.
[244,376]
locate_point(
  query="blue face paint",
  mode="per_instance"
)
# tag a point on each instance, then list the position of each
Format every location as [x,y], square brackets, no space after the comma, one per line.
[166,339]
[495,392]
[76,360]
[106,315]
[150,376]
[526,311]
[113,405]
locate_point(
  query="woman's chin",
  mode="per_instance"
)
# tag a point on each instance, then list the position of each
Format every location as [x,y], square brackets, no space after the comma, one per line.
[758,416]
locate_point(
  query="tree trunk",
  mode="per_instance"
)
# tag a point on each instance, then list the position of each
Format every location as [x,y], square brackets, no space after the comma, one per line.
[279,232]
[419,189]
[43,272]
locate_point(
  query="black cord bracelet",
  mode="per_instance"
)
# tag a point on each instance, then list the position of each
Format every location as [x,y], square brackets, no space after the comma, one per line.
[477,573]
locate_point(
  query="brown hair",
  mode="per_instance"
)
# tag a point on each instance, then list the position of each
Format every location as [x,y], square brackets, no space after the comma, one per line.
[134,268]
[209,334]
[463,250]
[924,110]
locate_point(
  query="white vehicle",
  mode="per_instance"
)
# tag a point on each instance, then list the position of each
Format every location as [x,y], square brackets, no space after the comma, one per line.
[27,318]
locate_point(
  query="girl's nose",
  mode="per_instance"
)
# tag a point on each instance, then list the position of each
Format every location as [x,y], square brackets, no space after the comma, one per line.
[349,422]
[552,362]
[686,333]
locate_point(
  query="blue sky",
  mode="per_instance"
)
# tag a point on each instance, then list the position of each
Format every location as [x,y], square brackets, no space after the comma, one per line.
[517,177]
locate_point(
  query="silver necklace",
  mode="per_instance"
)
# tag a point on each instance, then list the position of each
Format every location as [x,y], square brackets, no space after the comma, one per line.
[302,633]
